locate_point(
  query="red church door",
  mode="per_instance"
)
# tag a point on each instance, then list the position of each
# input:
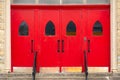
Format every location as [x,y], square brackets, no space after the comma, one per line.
[59,38]
[98,34]
[60,35]
[48,38]
[71,36]
[22,33]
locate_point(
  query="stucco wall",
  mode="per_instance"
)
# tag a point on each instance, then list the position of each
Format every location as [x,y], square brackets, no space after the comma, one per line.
[2,34]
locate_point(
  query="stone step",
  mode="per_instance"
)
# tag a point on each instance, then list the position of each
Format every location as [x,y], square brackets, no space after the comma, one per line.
[56,75]
[29,78]
[59,76]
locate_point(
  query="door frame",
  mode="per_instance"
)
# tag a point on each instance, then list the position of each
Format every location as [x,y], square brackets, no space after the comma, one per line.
[113,48]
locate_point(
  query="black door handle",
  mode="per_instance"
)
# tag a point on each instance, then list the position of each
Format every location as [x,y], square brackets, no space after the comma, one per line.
[88,45]
[32,46]
[62,45]
[58,45]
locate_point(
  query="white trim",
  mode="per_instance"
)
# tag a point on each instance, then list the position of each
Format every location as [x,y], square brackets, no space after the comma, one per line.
[49,69]
[98,69]
[113,35]
[22,69]
[61,1]
[8,38]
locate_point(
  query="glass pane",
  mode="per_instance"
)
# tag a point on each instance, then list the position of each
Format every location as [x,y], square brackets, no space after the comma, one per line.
[72,1]
[97,28]
[50,28]
[71,29]
[23,1]
[49,1]
[23,29]
[98,1]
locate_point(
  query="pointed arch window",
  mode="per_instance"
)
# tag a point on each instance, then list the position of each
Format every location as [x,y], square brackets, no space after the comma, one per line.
[97,28]
[71,29]
[50,29]
[23,29]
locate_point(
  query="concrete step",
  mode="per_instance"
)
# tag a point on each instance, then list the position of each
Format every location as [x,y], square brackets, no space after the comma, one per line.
[59,76]
[29,78]
[55,74]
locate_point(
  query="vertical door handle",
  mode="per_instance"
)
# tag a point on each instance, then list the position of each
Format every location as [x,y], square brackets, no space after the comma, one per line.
[58,45]
[88,45]
[32,46]
[62,45]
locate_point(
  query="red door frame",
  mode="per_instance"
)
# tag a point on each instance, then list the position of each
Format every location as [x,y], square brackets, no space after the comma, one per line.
[68,7]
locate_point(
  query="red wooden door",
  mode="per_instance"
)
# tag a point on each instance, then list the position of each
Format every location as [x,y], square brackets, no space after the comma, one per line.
[98,35]
[64,47]
[71,36]
[60,36]
[48,38]
[22,32]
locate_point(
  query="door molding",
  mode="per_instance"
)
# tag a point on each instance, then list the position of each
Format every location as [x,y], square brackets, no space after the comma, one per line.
[113,36]
[7,37]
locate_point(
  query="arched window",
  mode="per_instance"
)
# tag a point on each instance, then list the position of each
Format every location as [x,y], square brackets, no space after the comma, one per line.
[50,28]
[71,29]
[97,28]
[23,29]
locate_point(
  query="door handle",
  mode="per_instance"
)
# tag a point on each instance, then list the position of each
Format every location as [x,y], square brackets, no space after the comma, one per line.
[62,45]
[88,45]
[32,46]
[58,45]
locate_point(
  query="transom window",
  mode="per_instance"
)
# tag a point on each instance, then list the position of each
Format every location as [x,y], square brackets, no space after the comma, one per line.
[45,2]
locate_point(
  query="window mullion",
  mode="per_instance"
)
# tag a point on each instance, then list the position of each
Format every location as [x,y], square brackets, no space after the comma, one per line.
[84,1]
[36,1]
[60,2]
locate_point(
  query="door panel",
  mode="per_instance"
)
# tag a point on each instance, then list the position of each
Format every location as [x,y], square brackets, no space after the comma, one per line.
[99,55]
[71,38]
[22,32]
[48,38]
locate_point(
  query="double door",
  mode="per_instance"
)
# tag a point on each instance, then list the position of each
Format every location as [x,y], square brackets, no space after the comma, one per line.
[60,37]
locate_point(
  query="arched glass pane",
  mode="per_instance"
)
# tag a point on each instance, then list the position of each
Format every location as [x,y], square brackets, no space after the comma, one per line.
[23,29]
[97,28]
[50,28]
[71,29]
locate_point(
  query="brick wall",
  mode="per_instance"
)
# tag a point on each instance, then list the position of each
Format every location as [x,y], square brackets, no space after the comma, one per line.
[2,34]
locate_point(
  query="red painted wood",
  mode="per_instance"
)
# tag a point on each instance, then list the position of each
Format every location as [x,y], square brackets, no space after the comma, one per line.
[99,55]
[60,6]
[48,45]
[72,55]
[84,16]
[21,45]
